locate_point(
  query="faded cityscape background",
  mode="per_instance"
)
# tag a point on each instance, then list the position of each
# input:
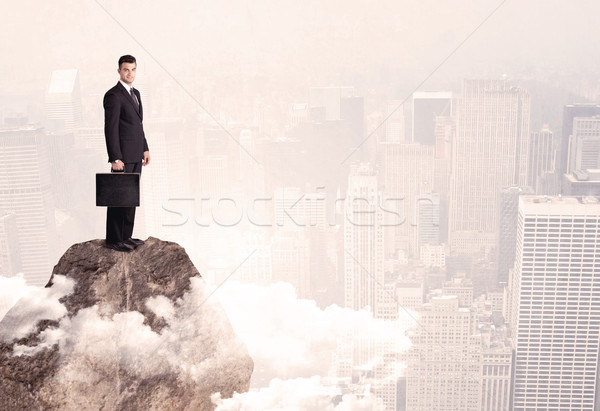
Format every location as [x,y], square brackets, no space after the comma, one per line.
[395,200]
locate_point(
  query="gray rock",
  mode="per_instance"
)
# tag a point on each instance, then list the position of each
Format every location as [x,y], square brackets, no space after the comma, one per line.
[141,332]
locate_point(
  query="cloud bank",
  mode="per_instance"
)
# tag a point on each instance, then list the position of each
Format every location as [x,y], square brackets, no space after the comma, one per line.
[293,342]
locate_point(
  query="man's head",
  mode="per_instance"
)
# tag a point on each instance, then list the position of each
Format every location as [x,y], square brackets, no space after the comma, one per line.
[127,66]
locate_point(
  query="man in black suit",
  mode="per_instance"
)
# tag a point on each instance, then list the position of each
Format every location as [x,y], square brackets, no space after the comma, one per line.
[127,149]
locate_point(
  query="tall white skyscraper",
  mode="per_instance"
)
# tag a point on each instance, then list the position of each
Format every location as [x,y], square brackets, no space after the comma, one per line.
[490,152]
[363,241]
[555,304]
[25,190]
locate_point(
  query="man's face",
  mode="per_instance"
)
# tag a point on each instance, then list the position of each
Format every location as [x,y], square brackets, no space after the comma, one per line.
[127,73]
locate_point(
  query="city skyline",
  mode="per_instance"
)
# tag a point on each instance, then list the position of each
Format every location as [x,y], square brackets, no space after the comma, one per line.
[375,172]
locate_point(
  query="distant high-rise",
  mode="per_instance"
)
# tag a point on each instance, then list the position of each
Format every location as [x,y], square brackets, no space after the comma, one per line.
[305,213]
[444,364]
[490,152]
[451,365]
[26,190]
[10,256]
[428,219]
[569,113]
[426,107]
[542,156]
[395,123]
[330,99]
[63,101]
[290,260]
[352,116]
[507,228]
[408,175]
[584,144]
[363,241]
[554,307]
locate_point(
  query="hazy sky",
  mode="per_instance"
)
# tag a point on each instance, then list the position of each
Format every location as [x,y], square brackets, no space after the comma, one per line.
[299,42]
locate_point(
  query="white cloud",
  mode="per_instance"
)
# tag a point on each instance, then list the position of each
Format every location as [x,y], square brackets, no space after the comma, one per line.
[32,305]
[299,394]
[289,337]
[292,341]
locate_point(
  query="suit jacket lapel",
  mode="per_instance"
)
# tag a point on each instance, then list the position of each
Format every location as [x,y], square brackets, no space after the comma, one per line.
[130,99]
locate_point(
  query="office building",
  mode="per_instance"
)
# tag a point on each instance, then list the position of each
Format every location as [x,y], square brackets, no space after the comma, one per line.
[569,113]
[26,191]
[426,106]
[490,152]
[428,219]
[63,101]
[444,364]
[496,377]
[584,144]
[408,176]
[507,228]
[395,127]
[554,307]
[363,240]
[542,156]
[10,256]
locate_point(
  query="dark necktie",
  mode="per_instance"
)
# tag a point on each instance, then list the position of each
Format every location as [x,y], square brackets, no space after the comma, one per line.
[135,100]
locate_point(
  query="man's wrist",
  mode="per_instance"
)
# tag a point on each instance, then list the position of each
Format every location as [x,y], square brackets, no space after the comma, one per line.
[117,161]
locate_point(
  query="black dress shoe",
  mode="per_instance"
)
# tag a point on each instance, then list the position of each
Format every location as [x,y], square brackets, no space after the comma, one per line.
[134,242]
[120,246]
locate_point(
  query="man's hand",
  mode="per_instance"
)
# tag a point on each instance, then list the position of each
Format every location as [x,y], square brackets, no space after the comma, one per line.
[146,158]
[118,165]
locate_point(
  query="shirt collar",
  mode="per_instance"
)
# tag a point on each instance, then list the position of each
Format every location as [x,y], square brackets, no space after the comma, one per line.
[127,86]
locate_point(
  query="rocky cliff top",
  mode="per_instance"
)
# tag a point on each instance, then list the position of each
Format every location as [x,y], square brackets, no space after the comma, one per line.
[116,331]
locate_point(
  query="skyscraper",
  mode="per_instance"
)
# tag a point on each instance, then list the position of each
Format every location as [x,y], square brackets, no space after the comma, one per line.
[569,113]
[444,366]
[554,307]
[10,257]
[428,220]
[541,157]
[363,240]
[584,144]
[490,152]
[63,101]
[507,228]
[395,124]
[25,190]
[408,176]
[425,108]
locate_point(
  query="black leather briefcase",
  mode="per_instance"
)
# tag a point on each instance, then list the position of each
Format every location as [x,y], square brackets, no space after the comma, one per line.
[117,189]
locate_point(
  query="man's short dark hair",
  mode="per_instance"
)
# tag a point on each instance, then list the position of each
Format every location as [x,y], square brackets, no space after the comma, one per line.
[126,59]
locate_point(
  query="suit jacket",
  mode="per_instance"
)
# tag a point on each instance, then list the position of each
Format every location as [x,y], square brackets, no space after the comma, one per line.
[123,129]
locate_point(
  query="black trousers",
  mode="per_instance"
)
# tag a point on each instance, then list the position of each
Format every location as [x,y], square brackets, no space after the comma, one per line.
[119,220]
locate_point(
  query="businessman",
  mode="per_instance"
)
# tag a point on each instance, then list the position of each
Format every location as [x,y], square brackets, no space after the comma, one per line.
[127,149]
